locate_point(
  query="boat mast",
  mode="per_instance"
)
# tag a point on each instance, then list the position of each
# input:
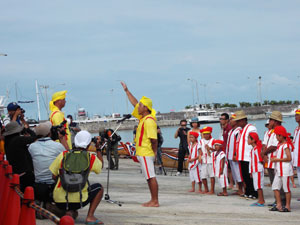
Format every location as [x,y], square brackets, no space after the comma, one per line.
[38,100]
[259,91]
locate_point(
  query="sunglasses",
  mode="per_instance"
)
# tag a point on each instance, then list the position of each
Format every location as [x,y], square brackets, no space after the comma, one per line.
[222,119]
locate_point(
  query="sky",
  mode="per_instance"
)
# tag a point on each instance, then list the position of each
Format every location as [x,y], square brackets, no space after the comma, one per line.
[162,49]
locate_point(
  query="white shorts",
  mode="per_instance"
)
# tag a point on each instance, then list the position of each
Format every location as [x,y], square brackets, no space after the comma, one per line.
[147,166]
[206,171]
[258,180]
[283,182]
[223,181]
[236,171]
[195,174]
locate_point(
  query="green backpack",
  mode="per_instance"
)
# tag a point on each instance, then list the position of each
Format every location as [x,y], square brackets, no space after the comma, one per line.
[74,171]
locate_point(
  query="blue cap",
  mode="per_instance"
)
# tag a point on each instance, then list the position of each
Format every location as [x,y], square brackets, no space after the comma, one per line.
[13,106]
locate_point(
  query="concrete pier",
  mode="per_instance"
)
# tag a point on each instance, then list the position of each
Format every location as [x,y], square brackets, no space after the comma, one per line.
[178,206]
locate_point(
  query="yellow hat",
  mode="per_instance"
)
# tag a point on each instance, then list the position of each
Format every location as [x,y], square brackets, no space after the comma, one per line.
[146,102]
[57,96]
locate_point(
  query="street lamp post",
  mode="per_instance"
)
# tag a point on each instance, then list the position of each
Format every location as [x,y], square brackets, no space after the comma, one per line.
[197,90]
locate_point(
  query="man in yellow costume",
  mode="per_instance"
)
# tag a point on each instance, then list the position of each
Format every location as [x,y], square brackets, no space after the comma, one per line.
[57,116]
[146,142]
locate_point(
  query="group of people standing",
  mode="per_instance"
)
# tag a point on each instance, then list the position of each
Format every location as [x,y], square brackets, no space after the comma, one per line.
[239,157]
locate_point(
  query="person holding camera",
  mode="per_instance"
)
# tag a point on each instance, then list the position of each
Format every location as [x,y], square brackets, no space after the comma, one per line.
[57,117]
[17,154]
[112,147]
[73,127]
[43,152]
[182,132]
[15,113]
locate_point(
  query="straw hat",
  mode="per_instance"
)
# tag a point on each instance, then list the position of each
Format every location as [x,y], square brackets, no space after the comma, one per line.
[13,128]
[239,115]
[276,115]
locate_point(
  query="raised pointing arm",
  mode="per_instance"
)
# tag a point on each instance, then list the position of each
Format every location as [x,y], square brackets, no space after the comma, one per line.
[131,98]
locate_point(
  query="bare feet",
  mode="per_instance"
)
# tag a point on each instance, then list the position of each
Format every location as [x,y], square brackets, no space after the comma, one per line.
[151,204]
[192,190]
[222,194]
[294,186]
[200,192]
[210,193]
[204,192]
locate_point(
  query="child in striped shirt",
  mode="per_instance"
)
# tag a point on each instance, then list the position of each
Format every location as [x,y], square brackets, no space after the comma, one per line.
[283,169]
[256,167]
[194,164]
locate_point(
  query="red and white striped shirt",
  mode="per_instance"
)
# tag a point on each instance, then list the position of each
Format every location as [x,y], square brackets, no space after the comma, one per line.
[243,149]
[205,157]
[283,168]
[296,142]
[256,161]
[270,140]
[217,160]
[232,142]
[193,149]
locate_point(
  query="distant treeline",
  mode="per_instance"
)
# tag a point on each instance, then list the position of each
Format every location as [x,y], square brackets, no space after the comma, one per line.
[247,104]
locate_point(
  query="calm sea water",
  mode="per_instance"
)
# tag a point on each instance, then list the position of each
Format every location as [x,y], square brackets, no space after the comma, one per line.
[170,141]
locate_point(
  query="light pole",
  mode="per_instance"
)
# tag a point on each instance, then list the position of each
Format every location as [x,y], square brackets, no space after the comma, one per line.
[197,90]
[192,92]
[204,88]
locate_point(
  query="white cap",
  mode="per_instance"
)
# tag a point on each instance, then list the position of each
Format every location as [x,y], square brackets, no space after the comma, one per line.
[82,139]
[267,122]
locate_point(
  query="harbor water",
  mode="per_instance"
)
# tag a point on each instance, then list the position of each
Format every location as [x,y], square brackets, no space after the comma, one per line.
[168,132]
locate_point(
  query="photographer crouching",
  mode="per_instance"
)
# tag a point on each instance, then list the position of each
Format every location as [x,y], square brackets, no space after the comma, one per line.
[112,146]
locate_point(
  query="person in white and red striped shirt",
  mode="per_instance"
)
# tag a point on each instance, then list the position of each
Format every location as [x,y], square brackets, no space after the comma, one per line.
[296,142]
[243,152]
[206,160]
[231,154]
[220,166]
[283,169]
[194,164]
[256,167]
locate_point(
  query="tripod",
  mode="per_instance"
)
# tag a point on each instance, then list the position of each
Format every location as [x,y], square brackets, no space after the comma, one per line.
[108,144]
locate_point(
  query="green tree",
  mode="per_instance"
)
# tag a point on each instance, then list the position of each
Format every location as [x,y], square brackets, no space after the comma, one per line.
[256,104]
[296,102]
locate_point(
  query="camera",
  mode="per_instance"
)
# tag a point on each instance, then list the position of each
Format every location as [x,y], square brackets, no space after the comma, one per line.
[22,110]
[57,129]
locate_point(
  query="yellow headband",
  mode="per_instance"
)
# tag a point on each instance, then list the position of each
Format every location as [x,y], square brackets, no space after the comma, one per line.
[146,102]
[297,111]
[56,96]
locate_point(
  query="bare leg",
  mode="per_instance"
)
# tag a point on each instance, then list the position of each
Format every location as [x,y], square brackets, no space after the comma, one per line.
[153,187]
[200,188]
[293,181]
[212,186]
[261,199]
[278,199]
[193,187]
[204,181]
[288,196]
[231,182]
[93,205]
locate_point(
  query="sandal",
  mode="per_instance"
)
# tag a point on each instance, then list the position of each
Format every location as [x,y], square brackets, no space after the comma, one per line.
[274,208]
[221,194]
[257,204]
[94,222]
[285,210]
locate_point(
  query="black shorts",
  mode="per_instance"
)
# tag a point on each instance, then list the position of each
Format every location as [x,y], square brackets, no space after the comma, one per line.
[92,192]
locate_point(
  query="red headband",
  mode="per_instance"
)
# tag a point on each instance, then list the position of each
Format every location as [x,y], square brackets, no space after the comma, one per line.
[280,130]
[255,137]
[195,134]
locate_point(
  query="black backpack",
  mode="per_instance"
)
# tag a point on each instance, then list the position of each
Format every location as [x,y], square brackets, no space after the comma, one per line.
[74,172]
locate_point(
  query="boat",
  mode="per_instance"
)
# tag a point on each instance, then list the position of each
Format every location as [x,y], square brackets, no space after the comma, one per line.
[202,113]
[169,155]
